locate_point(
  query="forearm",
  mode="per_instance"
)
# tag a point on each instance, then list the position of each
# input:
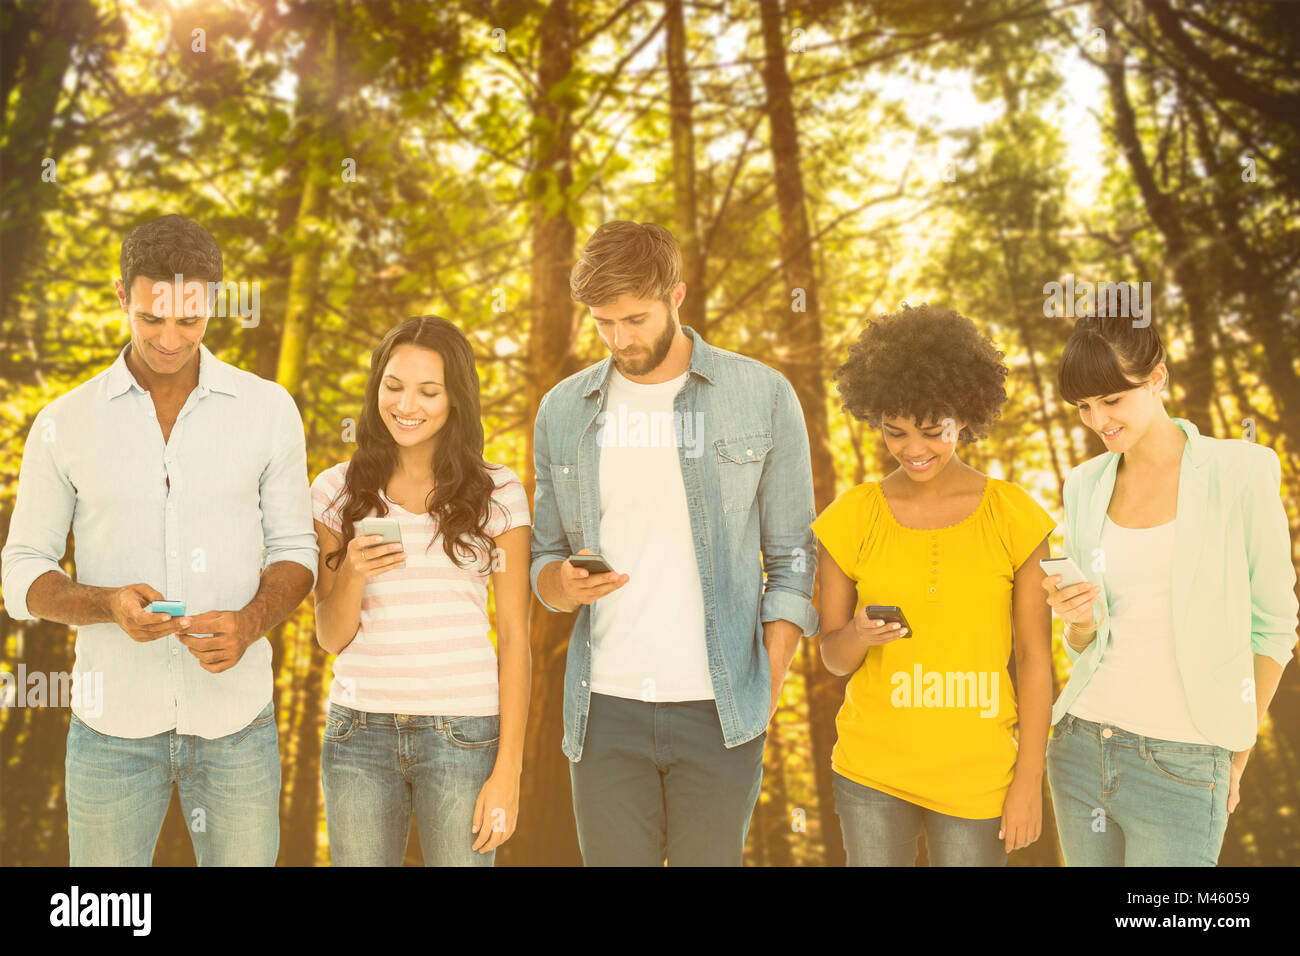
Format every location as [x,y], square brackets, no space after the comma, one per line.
[781,638]
[56,597]
[338,614]
[1079,637]
[282,587]
[1268,674]
[842,651]
[548,584]
[1034,694]
[514,675]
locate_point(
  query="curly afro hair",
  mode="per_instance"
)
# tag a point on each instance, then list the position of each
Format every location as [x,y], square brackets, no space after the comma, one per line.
[927,362]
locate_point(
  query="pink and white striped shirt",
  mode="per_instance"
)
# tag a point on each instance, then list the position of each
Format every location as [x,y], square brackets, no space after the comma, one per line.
[422,646]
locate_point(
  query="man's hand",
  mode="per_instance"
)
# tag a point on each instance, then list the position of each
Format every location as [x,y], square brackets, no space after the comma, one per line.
[583,587]
[128,604]
[219,638]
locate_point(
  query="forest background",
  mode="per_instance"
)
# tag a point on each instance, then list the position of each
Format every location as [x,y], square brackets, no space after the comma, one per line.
[820,162]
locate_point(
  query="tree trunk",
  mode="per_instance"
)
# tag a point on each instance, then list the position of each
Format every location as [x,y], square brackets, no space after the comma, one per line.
[803,366]
[547,834]
[693,311]
[319,143]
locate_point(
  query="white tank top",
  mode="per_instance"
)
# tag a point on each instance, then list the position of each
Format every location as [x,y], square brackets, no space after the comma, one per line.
[1136,686]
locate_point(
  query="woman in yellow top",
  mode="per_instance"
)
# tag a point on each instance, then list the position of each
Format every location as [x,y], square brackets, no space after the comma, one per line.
[930,734]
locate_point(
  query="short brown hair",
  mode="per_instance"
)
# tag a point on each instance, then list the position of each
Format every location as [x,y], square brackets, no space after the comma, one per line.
[626,258]
[169,246]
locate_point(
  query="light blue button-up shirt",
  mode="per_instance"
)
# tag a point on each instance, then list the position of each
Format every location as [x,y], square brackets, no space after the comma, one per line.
[748,477]
[239,501]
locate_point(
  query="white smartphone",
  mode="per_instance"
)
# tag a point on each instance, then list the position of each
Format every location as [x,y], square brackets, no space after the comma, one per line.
[1066,568]
[388,527]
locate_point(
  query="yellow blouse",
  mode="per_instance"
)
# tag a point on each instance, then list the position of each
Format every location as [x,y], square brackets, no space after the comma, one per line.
[931,718]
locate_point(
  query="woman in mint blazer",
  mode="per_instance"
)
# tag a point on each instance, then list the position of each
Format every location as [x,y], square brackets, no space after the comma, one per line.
[1181,632]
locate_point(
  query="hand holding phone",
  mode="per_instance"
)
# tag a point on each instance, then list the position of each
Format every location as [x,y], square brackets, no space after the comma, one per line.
[378,548]
[879,624]
[131,609]
[586,576]
[1069,592]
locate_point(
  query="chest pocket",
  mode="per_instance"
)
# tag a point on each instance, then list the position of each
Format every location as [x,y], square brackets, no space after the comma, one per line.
[740,466]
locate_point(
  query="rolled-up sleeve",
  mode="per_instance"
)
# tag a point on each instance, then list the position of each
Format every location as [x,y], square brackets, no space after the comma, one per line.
[786,513]
[38,530]
[549,541]
[287,530]
[1273,603]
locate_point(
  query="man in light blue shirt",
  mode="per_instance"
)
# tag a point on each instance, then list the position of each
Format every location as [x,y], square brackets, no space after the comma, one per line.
[182,478]
[686,467]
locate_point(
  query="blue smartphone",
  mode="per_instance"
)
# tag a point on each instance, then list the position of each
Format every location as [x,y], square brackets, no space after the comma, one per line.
[174,608]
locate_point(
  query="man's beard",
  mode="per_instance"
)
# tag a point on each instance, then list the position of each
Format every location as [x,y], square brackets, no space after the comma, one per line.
[644,365]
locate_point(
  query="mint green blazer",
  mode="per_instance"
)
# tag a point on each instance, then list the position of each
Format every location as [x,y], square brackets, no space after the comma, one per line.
[1233,579]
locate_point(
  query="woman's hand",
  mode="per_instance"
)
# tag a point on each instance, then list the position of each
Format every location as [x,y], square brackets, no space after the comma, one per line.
[1073,603]
[1022,813]
[366,557]
[496,811]
[1236,769]
[873,632]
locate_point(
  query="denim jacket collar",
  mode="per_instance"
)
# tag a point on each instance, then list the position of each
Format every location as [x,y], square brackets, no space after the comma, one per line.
[596,378]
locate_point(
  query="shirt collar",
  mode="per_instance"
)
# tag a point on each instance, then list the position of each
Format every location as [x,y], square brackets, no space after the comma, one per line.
[214,374]
[596,378]
[1196,449]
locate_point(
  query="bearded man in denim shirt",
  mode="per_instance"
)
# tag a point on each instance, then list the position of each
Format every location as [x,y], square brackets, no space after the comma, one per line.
[681,465]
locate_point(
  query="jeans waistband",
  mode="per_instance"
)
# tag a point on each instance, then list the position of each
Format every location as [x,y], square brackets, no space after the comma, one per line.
[1118,736]
[402,721]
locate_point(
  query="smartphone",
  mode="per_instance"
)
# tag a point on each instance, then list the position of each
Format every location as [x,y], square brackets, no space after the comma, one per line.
[591,563]
[388,527]
[1066,568]
[891,613]
[174,608]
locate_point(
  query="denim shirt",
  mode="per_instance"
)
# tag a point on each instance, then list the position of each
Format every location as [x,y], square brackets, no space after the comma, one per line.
[743,450]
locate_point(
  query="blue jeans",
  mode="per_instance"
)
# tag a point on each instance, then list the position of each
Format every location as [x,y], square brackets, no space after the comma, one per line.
[881,830]
[1121,799]
[657,780]
[118,790]
[379,768]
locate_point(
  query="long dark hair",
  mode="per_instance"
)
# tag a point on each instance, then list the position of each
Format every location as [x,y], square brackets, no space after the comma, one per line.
[462,494]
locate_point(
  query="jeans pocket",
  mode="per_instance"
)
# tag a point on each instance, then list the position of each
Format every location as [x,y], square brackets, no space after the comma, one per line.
[266,717]
[81,723]
[473,733]
[1191,768]
[340,723]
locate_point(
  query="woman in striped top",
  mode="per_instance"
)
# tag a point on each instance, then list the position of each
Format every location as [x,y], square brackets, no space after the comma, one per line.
[424,718]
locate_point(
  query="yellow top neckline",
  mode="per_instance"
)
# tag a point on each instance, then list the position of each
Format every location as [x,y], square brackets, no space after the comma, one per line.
[988,484]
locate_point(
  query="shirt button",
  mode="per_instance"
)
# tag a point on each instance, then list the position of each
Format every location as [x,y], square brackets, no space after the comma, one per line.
[1107,733]
[584,683]
[566,471]
[749,452]
[931,590]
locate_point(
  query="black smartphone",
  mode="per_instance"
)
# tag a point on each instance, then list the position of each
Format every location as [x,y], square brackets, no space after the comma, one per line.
[891,613]
[591,563]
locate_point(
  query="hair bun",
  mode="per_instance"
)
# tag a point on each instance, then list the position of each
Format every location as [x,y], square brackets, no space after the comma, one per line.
[1088,323]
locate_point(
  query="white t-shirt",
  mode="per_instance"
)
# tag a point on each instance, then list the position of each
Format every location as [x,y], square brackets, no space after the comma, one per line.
[1137,686]
[647,638]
